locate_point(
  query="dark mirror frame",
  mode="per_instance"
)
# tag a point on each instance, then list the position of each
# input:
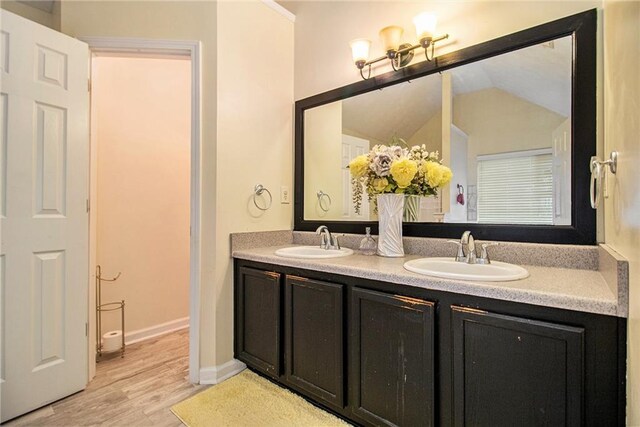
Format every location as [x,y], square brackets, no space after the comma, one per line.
[582,230]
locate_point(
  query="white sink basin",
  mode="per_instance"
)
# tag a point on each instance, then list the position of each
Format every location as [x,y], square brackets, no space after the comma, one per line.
[313,252]
[448,268]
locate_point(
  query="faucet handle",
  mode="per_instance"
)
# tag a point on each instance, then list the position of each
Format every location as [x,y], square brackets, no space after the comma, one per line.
[336,243]
[484,253]
[460,255]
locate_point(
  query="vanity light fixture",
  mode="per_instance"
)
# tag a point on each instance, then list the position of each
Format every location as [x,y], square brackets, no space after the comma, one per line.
[399,55]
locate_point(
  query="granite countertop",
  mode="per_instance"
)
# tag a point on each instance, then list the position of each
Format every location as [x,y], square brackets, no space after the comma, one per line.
[579,289]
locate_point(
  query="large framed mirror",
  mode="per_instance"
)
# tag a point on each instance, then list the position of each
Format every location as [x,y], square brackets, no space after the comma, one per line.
[514,119]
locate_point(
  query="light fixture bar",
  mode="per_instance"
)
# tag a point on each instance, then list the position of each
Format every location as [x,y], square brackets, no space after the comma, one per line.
[399,54]
[403,51]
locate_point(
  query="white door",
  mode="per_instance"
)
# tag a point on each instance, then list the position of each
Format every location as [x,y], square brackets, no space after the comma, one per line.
[45,147]
[458,165]
[351,148]
[562,174]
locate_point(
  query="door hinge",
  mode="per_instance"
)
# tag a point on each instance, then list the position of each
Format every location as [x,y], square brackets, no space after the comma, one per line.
[89,85]
[88,206]
[86,329]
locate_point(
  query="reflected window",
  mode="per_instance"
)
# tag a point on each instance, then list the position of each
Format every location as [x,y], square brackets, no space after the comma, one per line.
[516,188]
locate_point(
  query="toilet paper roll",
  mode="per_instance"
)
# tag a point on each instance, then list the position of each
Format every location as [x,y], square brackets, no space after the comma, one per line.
[112,341]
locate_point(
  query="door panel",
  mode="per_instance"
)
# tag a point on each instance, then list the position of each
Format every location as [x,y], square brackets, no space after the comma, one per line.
[514,371]
[45,146]
[392,359]
[257,325]
[314,338]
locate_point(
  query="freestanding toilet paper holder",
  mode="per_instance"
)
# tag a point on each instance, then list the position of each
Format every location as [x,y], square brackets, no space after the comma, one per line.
[109,306]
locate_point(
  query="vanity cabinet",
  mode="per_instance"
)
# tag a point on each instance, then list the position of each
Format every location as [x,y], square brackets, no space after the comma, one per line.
[378,353]
[511,371]
[314,339]
[391,359]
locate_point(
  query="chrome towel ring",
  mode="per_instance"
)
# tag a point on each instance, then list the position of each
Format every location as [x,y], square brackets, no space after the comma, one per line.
[258,190]
[598,169]
[324,197]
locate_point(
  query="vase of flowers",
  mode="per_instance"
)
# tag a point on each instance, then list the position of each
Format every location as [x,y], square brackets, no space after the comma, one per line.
[395,170]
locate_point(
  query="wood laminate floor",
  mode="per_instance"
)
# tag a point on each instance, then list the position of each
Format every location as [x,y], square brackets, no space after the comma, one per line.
[137,390]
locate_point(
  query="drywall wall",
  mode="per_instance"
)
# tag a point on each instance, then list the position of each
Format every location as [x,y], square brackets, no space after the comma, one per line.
[255,145]
[173,20]
[249,141]
[323,159]
[324,29]
[141,112]
[496,122]
[430,134]
[622,130]
[48,19]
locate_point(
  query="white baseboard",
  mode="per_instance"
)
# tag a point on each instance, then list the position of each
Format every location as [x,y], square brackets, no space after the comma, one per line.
[217,374]
[156,330]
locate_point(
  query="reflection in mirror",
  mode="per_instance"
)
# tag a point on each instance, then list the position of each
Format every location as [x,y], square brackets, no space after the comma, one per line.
[503,125]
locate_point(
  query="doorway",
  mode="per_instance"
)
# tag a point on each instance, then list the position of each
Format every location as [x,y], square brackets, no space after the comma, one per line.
[145,197]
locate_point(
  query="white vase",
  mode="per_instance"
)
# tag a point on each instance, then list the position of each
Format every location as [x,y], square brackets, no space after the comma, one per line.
[390,211]
[411,208]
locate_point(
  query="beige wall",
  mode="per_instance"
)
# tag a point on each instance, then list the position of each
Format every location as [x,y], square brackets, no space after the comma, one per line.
[247,106]
[247,103]
[622,133]
[48,19]
[372,141]
[143,134]
[496,122]
[324,29]
[430,134]
[523,125]
[255,145]
[178,20]
[323,160]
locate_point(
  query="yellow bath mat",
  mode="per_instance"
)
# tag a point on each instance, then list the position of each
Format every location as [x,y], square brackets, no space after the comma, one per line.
[249,400]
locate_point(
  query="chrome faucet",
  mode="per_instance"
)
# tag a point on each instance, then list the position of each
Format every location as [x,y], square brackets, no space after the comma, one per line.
[328,240]
[467,250]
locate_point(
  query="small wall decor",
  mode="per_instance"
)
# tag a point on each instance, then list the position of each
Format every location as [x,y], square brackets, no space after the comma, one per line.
[460,196]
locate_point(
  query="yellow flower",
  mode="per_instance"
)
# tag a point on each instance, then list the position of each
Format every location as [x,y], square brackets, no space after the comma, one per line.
[359,166]
[379,184]
[403,170]
[436,174]
[446,176]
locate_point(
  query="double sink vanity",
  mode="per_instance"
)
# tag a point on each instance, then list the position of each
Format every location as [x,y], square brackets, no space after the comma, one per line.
[528,332]
[378,344]
[465,265]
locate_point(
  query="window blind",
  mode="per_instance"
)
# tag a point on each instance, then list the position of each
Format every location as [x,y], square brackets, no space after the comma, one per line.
[516,188]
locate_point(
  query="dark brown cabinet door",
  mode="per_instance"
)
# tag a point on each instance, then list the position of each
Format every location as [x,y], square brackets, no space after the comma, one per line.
[391,379]
[314,339]
[510,371]
[257,320]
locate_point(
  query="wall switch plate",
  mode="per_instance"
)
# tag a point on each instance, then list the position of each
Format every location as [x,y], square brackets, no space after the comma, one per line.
[285,195]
